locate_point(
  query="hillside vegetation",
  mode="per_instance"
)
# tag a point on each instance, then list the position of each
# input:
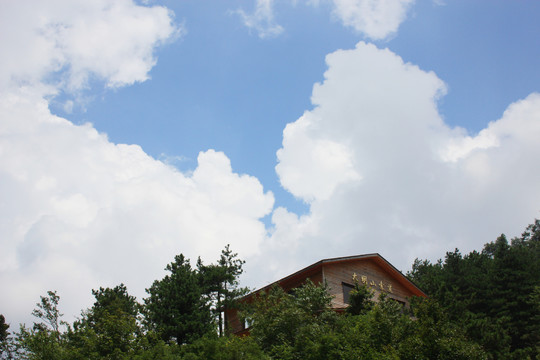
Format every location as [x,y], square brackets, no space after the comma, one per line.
[482,305]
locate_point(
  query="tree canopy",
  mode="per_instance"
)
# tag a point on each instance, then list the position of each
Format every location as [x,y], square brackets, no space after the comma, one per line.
[220,284]
[175,307]
[493,294]
[481,305]
[304,326]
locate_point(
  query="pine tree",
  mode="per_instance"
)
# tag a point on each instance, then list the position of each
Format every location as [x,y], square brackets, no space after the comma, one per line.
[176,308]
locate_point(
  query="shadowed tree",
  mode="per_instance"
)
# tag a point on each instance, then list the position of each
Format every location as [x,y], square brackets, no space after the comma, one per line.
[360,299]
[6,345]
[175,307]
[220,284]
[109,329]
[492,293]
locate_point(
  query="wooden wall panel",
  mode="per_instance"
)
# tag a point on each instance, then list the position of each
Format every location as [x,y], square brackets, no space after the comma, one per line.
[373,271]
[366,270]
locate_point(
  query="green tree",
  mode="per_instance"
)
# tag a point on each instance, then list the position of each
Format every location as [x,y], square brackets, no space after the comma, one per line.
[182,308]
[112,301]
[44,340]
[153,349]
[3,328]
[108,330]
[432,335]
[230,347]
[6,341]
[360,299]
[287,326]
[49,314]
[304,326]
[175,307]
[220,284]
[491,294]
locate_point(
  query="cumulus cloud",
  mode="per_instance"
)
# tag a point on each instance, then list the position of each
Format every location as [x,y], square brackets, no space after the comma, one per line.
[77,211]
[401,181]
[329,162]
[80,212]
[65,43]
[262,19]
[376,19]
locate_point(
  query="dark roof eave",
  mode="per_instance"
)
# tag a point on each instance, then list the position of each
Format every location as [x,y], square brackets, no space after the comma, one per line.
[320,263]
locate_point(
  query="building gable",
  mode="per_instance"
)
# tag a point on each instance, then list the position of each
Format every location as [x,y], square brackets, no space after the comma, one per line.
[340,275]
[372,271]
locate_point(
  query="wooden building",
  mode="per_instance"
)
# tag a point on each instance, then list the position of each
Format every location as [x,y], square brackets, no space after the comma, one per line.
[340,274]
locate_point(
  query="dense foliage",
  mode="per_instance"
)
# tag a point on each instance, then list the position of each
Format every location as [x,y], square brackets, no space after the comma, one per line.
[220,284]
[483,305]
[184,307]
[303,326]
[493,294]
[176,309]
[4,333]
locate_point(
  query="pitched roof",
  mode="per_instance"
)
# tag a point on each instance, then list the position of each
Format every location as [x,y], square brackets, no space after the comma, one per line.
[377,258]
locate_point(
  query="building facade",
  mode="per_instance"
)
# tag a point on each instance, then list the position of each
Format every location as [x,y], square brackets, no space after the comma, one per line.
[340,275]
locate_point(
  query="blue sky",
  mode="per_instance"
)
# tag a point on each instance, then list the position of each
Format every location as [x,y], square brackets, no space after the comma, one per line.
[293,130]
[220,86]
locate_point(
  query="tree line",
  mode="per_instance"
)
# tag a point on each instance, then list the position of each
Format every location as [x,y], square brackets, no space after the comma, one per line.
[493,294]
[482,305]
[187,304]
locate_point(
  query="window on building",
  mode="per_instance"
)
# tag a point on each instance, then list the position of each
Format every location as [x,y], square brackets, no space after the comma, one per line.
[400,302]
[346,291]
[404,308]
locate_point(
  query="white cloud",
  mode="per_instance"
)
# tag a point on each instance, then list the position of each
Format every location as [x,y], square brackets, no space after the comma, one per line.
[461,145]
[77,211]
[405,184]
[376,19]
[77,40]
[80,212]
[262,19]
[329,162]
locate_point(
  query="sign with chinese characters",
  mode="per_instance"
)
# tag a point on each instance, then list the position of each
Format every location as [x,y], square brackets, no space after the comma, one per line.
[370,282]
